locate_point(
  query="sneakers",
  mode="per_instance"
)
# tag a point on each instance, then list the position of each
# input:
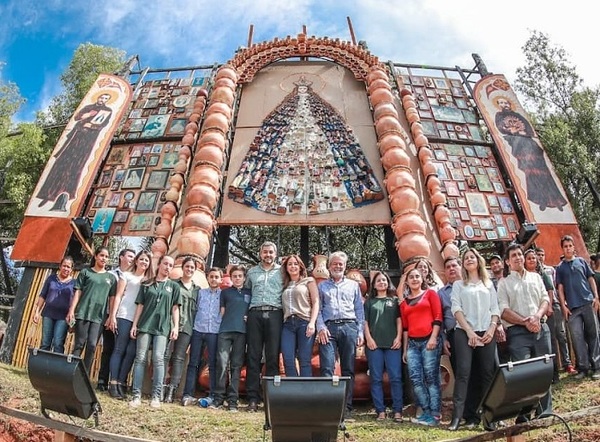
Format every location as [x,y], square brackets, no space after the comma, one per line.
[233,408]
[252,406]
[216,404]
[427,420]
[135,402]
[155,402]
[580,375]
[570,369]
[596,375]
[348,416]
[187,401]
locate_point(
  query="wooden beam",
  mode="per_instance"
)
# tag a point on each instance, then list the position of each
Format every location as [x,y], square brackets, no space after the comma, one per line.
[69,429]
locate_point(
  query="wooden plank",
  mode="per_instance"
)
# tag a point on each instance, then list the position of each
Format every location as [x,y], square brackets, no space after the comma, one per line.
[69,429]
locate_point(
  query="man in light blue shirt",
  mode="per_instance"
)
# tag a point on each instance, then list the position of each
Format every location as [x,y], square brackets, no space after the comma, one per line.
[340,323]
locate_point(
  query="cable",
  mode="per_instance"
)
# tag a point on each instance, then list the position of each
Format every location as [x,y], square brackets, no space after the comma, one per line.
[560,419]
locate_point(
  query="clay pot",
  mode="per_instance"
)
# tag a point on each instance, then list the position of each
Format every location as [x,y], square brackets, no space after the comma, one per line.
[168,211]
[226,82]
[195,117]
[421,141]
[412,244]
[425,155]
[217,121]
[404,92]
[447,233]
[164,229]
[201,194]
[398,177]
[403,198]
[206,173]
[227,71]
[450,250]
[185,152]
[437,198]
[320,270]
[181,166]
[188,140]
[158,248]
[173,195]
[433,184]
[389,141]
[387,124]
[408,221]
[191,129]
[176,181]
[223,95]
[442,215]
[220,108]
[381,95]
[376,73]
[412,115]
[416,129]
[356,275]
[428,169]
[194,240]
[210,153]
[395,157]
[198,216]
[385,109]
[379,83]
[202,93]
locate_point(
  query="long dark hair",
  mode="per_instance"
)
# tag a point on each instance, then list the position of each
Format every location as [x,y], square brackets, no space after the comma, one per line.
[96,253]
[391,290]
[286,275]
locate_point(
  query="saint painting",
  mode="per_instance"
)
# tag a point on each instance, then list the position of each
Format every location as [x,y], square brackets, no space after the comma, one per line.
[304,159]
[62,181]
[519,134]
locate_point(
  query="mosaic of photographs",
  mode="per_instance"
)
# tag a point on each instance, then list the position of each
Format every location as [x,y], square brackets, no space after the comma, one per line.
[131,188]
[480,206]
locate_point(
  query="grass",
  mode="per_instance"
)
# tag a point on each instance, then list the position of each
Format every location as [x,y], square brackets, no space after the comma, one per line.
[173,422]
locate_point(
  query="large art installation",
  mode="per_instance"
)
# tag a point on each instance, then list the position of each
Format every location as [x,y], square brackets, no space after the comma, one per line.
[303,131]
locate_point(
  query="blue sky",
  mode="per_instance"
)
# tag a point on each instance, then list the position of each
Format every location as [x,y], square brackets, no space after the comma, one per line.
[37,38]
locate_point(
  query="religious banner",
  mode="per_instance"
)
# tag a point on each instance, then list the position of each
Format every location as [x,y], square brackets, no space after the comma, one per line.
[64,184]
[536,184]
[305,151]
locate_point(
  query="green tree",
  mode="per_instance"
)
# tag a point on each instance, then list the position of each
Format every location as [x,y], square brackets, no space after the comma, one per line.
[567,119]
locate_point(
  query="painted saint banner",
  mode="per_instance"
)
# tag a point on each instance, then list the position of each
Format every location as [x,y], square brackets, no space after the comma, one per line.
[305,151]
[63,186]
[538,188]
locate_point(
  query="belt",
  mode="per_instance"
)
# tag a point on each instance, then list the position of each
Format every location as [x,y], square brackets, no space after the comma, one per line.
[264,308]
[340,321]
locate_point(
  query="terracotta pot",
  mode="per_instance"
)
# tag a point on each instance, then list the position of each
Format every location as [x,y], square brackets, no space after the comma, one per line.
[220,108]
[398,177]
[210,153]
[201,194]
[411,245]
[433,184]
[425,155]
[389,141]
[379,83]
[395,157]
[164,229]
[376,73]
[168,210]
[409,102]
[421,141]
[223,95]
[412,115]
[202,93]
[447,233]
[385,109]
[403,198]
[181,167]
[387,124]
[194,240]
[381,95]
[441,215]
[227,71]
[176,180]
[198,216]
[437,198]
[362,387]
[173,195]
[450,250]
[206,173]
[416,129]
[404,92]
[226,82]
[428,169]
[195,117]
[408,221]
[158,248]
[213,137]
[357,276]
[191,128]
[185,152]
[217,121]
[188,140]
[320,270]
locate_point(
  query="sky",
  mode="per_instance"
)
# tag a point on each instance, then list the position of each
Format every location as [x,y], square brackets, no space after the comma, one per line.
[38,38]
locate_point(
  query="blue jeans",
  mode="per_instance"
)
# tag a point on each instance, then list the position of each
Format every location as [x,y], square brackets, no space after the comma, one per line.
[121,361]
[54,333]
[159,344]
[198,343]
[584,334]
[424,374]
[295,343]
[389,360]
[342,341]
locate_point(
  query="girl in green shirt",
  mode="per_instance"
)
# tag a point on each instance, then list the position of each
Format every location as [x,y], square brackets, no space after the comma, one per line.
[156,320]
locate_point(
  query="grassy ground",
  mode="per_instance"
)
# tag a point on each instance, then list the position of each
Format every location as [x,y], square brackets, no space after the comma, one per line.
[173,422]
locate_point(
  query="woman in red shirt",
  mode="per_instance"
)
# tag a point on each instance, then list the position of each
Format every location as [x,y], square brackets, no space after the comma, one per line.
[421,313]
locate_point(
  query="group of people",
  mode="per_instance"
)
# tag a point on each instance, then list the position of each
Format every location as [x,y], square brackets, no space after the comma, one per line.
[478,319]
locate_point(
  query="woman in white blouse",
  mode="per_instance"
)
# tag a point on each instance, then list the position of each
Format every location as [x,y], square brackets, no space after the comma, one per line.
[475,307]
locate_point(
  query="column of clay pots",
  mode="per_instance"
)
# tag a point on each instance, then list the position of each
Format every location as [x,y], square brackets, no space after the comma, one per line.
[171,206]
[447,233]
[202,192]
[408,224]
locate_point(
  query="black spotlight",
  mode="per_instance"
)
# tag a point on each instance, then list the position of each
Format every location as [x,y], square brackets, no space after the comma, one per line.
[304,409]
[63,384]
[517,389]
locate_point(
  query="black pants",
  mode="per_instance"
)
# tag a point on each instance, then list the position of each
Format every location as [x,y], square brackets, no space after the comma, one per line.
[108,345]
[263,329]
[87,335]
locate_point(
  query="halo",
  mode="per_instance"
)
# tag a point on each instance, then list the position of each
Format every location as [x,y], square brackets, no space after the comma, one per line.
[112,94]
[497,97]
[292,81]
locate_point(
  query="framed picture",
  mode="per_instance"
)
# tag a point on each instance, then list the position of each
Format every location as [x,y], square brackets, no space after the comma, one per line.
[446,113]
[146,149]
[137,125]
[462,202]
[117,155]
[502,232]
[155,126]
[176,126]
[469,151]
[512,225]
[146,202]
[454,149]
[439,167]
[153,160]
[493,201]
[157,179]
[428,128]
[491,234]
[468,231]
[117,230]
[134,178]
[486,223]
[493,173]
[119,174]
[476,203]
[135,113]
[114,200]
[182,101]
[498,188]
[452,203]
[91,213]
[170,160]
[156,148]
[461,186]
[140,222]
[483,183]
[136,151]
[452,188]
[477,232]
[457,174]
[121,216]
[105,178]
[505,204]
[464,215]
[498,219]
[115,186]
[98,201]
[103,220]
[133,162]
